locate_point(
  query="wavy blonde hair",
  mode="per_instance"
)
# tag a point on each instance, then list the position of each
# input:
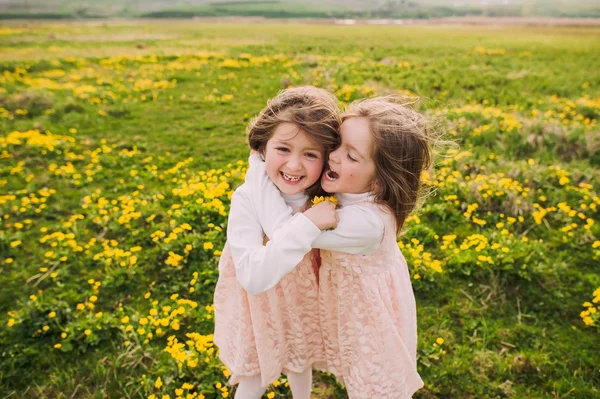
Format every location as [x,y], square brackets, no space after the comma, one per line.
[403,141]
[313,110]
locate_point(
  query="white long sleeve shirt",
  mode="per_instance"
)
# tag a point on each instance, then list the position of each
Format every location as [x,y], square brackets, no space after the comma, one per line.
[259,267]
[258,208]
[359,230]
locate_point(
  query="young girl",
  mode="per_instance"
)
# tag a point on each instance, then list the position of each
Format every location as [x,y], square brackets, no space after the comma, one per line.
[266,298]
[366,302]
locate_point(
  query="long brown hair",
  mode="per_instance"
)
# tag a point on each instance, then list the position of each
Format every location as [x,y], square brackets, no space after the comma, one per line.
[403,142]
[313,110]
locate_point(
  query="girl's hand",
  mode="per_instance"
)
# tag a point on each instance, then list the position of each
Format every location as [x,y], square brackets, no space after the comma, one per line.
[323,215]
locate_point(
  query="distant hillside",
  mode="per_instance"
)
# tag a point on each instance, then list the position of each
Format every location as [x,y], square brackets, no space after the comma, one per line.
[296,8]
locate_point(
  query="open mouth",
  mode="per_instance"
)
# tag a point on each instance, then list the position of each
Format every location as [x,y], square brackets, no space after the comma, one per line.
[331,174]
[291,178]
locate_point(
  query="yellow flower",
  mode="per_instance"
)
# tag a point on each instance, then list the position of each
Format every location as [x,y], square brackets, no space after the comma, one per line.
[87,332]
[125,320]
[173,259]
[331,198]
[57,346]
[15,243]
[208,245]
[271,395]
[439,341]
[11,322]
[52,315]
[158,383]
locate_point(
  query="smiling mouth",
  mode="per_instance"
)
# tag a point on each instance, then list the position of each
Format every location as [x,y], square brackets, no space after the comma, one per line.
[291,178]
[331,174]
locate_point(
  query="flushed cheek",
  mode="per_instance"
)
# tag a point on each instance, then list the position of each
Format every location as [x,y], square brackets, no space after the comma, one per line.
[314,173]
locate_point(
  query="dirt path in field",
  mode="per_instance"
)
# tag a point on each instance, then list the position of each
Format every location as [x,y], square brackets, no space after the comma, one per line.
[491,22]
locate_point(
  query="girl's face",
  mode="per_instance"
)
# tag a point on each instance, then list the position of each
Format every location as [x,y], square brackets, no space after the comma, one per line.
[292,160]
[351,167]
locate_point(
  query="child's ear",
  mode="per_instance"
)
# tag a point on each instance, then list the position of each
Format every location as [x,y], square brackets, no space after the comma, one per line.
[375,186]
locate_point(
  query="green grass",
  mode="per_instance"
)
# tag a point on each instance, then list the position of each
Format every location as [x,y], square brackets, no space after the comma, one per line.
[184,91]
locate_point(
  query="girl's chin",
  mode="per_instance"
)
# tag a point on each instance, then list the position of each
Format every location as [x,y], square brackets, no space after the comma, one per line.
[289,189]
[328,185]
[329,189]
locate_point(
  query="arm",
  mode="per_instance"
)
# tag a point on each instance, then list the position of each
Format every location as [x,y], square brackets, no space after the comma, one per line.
[260,267]
[271,210]
[359,231]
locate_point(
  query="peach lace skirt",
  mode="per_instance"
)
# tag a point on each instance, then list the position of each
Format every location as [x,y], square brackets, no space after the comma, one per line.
[274,332]
[368,323]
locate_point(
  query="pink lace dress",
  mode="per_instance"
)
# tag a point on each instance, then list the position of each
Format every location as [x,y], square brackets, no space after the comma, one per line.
[368,319]
[270,333]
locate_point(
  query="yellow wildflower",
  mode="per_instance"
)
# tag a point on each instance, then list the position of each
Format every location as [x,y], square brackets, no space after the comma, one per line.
[331,198]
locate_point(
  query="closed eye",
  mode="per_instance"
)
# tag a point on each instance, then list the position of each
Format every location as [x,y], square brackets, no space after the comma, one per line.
[351,159]
[284,149]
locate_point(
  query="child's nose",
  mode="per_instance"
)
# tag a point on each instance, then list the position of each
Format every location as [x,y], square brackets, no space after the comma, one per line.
[333,156]
[294,164]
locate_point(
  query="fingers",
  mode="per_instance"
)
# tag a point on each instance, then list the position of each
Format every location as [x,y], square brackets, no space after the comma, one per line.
[336,220]
[326,205]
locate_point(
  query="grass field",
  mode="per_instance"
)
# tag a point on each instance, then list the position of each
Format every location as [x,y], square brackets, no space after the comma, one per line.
[66,9]
[121,143]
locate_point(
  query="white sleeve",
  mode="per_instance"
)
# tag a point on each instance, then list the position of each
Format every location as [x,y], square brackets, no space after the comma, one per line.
[271,210]
[359,231]
[260,267]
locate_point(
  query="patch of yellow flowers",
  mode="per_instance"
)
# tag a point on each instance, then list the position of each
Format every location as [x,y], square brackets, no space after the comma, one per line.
[590,315]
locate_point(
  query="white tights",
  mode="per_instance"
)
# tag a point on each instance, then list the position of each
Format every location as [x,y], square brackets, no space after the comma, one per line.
[250,388]
[300,384]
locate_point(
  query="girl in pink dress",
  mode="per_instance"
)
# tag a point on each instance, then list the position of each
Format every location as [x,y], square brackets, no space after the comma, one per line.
[366,302]
[266,298]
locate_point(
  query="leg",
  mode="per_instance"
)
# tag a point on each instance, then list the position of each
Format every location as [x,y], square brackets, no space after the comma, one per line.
[300,383]
[250,388]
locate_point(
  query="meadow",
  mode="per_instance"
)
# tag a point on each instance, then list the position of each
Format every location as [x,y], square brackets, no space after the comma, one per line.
[121,143]
[420,9]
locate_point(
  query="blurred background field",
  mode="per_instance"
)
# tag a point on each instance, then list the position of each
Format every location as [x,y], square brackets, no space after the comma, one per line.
[420,9]
[121,143]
